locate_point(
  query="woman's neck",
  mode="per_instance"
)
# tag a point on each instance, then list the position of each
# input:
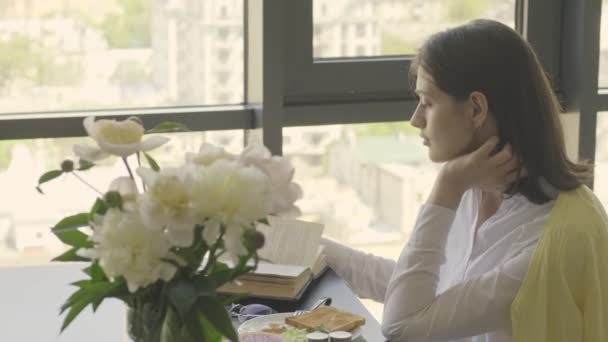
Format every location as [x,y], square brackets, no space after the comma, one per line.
[490,202]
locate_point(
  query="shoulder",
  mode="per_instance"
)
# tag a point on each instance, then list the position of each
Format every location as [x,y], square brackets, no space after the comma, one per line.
[578,214]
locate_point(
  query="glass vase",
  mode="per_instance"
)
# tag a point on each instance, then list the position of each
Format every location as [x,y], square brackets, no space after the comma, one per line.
[145,322]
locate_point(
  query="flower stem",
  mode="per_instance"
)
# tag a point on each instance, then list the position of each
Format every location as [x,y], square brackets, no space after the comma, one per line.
[143,184]
[212,256]
[124,159]
[86,183]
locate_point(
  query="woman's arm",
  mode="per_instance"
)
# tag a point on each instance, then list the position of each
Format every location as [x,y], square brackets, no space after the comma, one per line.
[367,275]
[414,312]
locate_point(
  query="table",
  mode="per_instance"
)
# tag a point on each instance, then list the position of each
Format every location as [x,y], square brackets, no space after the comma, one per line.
[331,285]
[30,298]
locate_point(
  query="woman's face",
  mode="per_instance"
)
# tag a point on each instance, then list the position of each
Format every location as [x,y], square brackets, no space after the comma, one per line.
[445,124]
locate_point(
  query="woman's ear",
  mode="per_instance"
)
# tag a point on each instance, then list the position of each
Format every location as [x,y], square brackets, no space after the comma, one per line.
[479,104]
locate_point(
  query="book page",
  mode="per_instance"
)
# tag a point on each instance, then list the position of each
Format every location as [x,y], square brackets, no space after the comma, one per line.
[278,270]
[291,242]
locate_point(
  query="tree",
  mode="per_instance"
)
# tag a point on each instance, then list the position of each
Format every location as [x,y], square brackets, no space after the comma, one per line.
[50,72]
[462,10]
[130,74]
[24,58]
[131,27]
[385,129]
[17,57]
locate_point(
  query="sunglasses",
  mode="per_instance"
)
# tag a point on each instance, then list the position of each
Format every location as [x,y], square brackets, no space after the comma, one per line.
[244,313]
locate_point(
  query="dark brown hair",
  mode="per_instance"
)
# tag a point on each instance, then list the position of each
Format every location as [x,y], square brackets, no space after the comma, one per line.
[491,58]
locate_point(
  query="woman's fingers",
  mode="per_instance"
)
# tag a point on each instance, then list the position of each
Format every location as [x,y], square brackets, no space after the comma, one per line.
[503,156]
[486,149]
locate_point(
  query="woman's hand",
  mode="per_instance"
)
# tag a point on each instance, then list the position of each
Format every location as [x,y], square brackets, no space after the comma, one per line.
[477,169]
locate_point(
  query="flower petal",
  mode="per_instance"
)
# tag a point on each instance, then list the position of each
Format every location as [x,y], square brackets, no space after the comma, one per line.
[88,253]
[211,232]
[125,186]
[88,152]
[167,271]
[88,124]
[256,152]
[233,243]
[153,142]
[122,150]
[180,234]
[148,176]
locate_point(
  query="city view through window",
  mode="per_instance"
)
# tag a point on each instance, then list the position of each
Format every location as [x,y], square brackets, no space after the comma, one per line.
[186,52]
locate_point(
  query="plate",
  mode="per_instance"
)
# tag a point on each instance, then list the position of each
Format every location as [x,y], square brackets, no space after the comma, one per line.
[259,323]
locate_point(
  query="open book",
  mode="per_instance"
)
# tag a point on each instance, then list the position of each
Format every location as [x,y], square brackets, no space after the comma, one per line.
[295,255]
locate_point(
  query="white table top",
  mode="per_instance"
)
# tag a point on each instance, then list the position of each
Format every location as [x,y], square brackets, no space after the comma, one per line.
[31,296]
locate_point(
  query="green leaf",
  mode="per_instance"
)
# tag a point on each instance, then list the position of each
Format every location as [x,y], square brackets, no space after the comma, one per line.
[211,334]
[47,177]
[69,256]
[67,231]
[195,329]
[264,221]
[216,314]
[99,208]
[75,309]
[72,222]
[85,165]
[168,126]
[220,276]
[74,238]
[89,293]
[96,272]
[183,295]
[152,162]
[172,327]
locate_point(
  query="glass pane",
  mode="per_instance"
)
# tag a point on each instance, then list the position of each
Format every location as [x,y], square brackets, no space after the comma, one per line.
[89,54]
[603,67]
[353,28]
[600,185]
[364,182]
[26,215]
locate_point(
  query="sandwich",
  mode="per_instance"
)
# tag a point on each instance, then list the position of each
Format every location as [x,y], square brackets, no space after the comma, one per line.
[326,318]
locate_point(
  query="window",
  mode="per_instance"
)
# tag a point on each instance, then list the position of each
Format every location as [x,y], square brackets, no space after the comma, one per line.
[364,182]
[344,64]
[601,159]
[25,216]
[603,66]
[63,55]
[403,24]
[373,67]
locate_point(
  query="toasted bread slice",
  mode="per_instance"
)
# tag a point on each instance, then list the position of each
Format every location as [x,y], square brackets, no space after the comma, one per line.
[329,317]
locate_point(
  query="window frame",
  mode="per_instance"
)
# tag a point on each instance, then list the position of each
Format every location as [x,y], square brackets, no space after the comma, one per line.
[284,86]
[381,78]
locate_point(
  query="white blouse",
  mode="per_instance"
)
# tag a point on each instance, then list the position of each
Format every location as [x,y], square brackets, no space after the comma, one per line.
[452,282]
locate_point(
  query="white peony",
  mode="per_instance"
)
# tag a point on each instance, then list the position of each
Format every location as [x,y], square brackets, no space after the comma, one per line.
[230,193]
[232,238]
[208,154]
[167,202]
[120,138]
[284,191]
[127,189]
[126,247]
[233,195]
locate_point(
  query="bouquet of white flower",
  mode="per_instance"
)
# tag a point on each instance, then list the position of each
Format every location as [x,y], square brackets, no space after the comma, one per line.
[157,248]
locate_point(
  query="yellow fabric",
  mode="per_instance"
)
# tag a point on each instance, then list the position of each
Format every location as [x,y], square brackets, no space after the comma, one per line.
[564,296]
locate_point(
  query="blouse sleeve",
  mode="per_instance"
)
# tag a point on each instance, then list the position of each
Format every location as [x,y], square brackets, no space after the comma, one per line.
[367,275]
[414,312]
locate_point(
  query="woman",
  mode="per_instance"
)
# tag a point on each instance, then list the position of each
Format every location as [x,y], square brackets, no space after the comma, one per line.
[487,110]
